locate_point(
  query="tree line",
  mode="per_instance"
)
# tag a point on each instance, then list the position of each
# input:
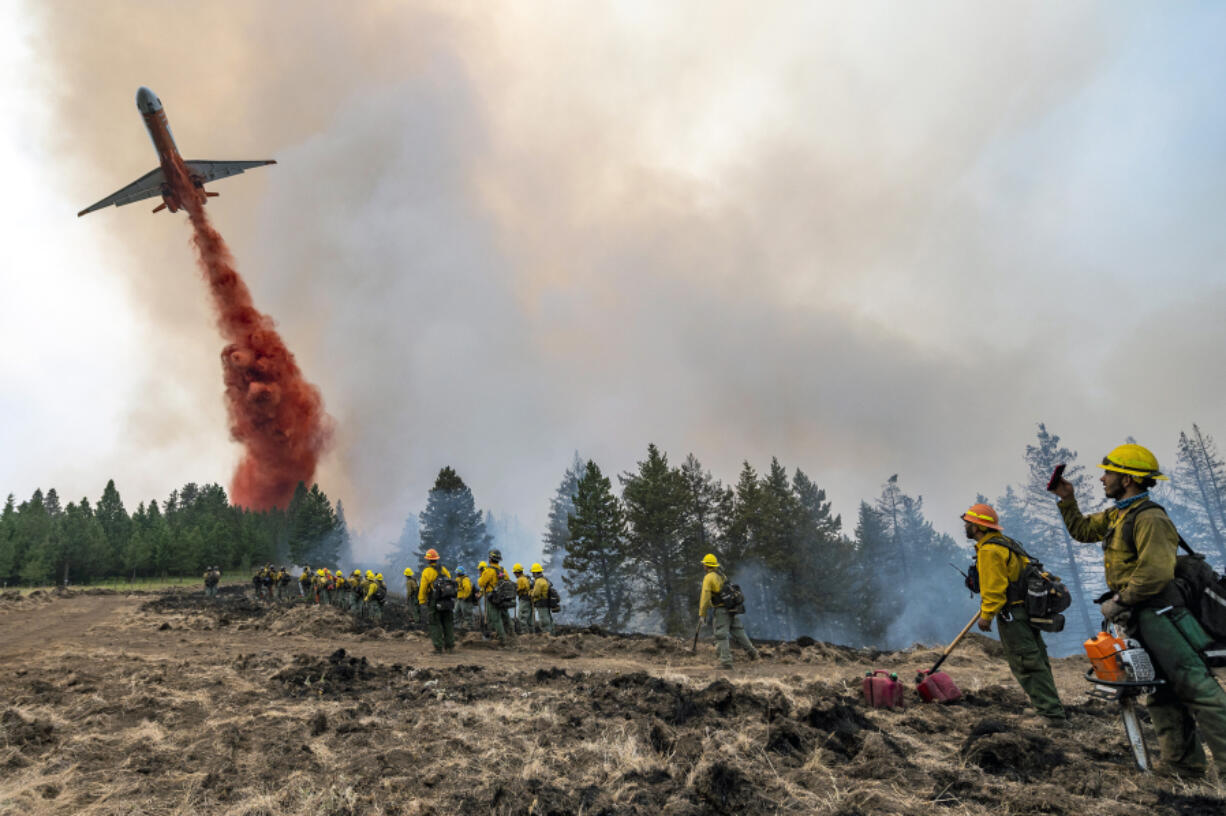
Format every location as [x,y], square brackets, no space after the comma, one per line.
[43,541]
[628,554]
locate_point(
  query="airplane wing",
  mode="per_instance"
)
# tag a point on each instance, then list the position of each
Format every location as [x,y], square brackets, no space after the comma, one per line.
[147,186]
[205,171]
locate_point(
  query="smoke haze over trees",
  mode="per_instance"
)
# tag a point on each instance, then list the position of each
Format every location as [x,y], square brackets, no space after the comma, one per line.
[632,558]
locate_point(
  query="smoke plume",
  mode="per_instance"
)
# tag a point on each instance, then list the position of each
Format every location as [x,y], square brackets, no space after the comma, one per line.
[275,414]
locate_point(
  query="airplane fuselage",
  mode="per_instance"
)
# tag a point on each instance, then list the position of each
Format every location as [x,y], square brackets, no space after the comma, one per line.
[158,125]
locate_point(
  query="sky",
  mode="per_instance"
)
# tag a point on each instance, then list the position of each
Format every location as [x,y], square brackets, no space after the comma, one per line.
[866,239]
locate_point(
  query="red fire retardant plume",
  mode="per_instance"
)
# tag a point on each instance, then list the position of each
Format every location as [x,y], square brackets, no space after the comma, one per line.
[275,413]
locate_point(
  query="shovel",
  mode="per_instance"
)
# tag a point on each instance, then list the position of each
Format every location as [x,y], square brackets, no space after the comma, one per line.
[694,646]
[935,686]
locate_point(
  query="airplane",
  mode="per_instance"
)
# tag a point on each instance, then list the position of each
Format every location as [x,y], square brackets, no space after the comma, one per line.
[156,182]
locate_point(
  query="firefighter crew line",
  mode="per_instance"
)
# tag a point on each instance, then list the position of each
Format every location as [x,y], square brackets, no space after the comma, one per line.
[505,603]
[1140,546]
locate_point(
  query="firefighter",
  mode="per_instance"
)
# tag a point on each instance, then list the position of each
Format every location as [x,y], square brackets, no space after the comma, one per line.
[211,576]
[523,597]
[410,596]
[726,622]
[440,621]
[376,594]
[498,617]
[1002,598]
[283,582]
[304,582]
[1139,548]
[465,608]
[540,600]
[355,591]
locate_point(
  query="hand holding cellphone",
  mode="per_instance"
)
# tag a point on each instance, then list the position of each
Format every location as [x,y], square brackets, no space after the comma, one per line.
[1057,476]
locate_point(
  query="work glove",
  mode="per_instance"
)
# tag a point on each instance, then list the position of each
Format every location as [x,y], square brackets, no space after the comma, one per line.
[1116,612]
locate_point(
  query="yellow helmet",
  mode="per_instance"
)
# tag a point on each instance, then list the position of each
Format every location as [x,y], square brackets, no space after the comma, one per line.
[369,575]
[517,568]
[378,576]
[482,565]
[320,572]
[1133,460]
[709,560]
[356,572]
[408,573]
[537,568]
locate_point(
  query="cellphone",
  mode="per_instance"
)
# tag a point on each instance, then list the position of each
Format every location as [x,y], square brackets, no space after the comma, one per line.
[1056,476]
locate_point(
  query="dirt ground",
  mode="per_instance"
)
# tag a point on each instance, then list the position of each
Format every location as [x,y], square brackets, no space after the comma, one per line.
[173,704]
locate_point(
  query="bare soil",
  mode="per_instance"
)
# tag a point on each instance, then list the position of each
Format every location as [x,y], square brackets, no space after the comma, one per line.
[168,704]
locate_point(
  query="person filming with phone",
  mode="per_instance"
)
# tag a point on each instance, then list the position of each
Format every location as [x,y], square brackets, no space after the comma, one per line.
[1139,548]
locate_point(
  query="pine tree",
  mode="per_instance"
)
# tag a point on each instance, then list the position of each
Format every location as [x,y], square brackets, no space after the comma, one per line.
[652,499]
[344,544]
[312,522]
[116,525]
[561,507]
[451,524]
[739,519]
[405,552]
[33,541]
[825,563]
[8,531]
[776,587]
[879,590]
[597,577]
[84,553]
[1199,487]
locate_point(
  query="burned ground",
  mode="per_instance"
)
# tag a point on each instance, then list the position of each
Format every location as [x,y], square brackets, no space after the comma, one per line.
[173,704]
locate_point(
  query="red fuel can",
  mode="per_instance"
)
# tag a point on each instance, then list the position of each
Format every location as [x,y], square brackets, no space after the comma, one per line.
[937,688]
[882,689]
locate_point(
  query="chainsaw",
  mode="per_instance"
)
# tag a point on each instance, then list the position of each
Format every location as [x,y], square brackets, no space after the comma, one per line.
[1121,671]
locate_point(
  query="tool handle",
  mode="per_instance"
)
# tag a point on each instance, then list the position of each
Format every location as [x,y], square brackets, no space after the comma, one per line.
[951,646]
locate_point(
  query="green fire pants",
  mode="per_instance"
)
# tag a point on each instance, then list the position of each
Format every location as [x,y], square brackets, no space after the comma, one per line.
[1027,656]
[523,614]
[1190,706]
[728,628]
[442,628]
[544,619]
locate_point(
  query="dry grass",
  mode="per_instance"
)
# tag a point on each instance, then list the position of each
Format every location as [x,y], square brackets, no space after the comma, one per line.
[223,721]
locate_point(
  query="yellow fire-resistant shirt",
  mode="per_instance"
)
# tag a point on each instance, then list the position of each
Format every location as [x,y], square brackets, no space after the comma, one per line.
[711,585]
[1137,572]
[488,579]
[410,587]
[427,580]
[998,567]
[540,590]
[464,588]
[523,586]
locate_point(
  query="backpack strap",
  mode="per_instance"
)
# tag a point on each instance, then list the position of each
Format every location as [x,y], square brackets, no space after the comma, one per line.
[1129,524]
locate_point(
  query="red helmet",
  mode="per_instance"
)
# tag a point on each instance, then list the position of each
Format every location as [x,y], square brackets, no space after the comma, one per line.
[982,515]
[431,555]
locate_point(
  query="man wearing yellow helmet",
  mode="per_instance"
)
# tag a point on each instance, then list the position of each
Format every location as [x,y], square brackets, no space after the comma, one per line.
[376,594]
[726,621]
[304,582]
[466,613]
[523,597]
[354,585]
[1139,548]
[410,596]
[541,600]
